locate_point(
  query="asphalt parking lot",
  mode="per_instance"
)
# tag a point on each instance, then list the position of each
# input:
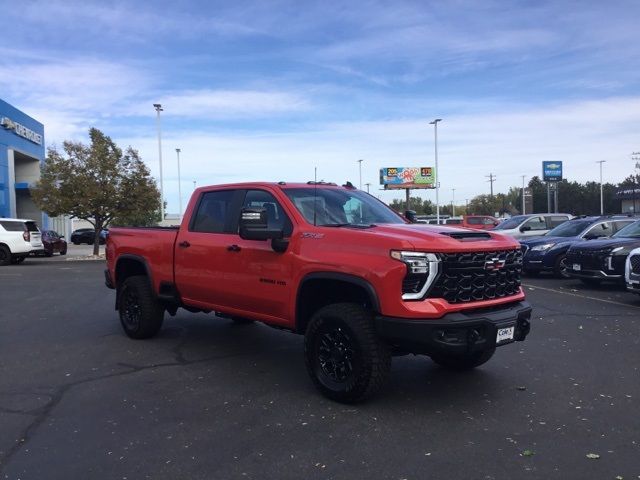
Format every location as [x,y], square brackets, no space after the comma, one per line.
[210,399]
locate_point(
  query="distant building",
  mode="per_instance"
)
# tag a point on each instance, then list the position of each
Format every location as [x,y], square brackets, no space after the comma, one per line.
[628,197]
[21,153]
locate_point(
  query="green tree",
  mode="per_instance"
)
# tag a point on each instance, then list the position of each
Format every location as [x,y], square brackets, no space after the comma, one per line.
[98,183]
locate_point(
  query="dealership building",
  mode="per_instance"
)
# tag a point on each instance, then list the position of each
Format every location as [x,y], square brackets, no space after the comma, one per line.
[21,153]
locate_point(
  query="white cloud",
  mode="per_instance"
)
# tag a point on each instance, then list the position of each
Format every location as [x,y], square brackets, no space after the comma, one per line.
[509,144]
[227,103]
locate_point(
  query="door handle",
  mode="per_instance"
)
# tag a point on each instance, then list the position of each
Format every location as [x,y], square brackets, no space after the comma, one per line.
[184,244]
[233,248]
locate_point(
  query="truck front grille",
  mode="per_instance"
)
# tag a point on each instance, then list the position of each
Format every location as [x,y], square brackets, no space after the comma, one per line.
[475,276]
[635,264]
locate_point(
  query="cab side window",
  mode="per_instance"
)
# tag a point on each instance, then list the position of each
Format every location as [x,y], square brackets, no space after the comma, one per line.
[600,230]
[536,223]
[475,221]
[276,216]
[213,214]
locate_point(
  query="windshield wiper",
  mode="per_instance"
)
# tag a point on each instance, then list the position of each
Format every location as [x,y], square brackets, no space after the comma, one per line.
[348,225]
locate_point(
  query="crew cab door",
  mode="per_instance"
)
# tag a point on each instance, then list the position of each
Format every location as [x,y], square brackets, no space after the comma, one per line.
[263,275]
[205,269]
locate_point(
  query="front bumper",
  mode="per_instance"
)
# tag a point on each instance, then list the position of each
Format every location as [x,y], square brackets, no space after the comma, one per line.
[456,333]
[599,274]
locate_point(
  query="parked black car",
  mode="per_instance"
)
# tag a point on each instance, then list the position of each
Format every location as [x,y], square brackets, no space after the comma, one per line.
[548,253]
[599,260]
[87,235]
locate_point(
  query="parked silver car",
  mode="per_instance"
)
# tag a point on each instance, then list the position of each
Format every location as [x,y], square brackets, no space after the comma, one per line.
[522,226]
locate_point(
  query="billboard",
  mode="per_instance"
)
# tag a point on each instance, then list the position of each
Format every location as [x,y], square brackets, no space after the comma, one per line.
[552,171]
[407,177]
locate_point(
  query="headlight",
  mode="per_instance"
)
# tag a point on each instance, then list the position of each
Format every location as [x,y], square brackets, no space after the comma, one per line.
[542,248]
[422,270]
[618,249]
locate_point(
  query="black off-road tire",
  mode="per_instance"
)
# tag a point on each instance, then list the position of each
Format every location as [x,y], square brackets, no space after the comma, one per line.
[141,314]
[559,269]
[63,252]
[592,282]
[5,255]
[463,362]
[345,358]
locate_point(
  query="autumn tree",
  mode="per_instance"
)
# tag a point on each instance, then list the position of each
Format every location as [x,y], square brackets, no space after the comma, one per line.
[97,183]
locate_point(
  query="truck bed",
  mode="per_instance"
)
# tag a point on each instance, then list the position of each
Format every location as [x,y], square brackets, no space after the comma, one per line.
[156,245]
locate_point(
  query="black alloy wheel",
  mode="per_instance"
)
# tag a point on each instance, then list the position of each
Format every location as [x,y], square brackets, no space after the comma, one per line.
[141,314]
[336,352]
[560,270]
[345,358]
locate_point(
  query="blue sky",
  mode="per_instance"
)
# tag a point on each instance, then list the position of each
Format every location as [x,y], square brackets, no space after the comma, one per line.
[270,90]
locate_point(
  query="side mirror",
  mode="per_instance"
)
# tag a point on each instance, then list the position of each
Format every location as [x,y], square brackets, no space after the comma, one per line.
[411,216]
[525,228]
[254,225]
[61,237]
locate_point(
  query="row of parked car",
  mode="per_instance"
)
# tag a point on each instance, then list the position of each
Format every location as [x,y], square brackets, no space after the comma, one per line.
[593,249]
[20,238]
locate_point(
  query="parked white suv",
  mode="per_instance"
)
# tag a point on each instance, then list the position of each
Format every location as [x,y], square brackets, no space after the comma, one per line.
[18,238]
[522,226]
[632,271]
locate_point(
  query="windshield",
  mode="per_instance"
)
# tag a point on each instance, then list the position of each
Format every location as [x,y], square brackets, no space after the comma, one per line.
[337,207]
[630,231]
[513,222]
[569,229]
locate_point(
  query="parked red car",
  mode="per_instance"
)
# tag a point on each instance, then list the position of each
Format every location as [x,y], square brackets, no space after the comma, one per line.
[53,243]
[479,222]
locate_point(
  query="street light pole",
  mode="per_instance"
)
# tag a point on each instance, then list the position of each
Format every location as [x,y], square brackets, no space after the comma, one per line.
[179,183]
[453,202]
[159,109]
[635,156]
[601,196]
[523,204]
[437,175]
[360,168]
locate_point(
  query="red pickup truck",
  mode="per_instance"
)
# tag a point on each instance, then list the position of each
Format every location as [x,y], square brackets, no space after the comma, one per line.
[332,263]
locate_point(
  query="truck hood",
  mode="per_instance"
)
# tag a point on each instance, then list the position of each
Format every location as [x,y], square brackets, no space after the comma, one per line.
[439,238]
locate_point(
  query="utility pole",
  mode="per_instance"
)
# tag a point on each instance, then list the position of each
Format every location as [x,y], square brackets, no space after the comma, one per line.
[601,196]
[360,165]
[466,202]
[367,185]
[492,178]
[194,184]
[523,204]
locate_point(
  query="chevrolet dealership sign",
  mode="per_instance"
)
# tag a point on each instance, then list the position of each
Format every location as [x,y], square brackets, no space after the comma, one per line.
[21,130]
[552,171]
